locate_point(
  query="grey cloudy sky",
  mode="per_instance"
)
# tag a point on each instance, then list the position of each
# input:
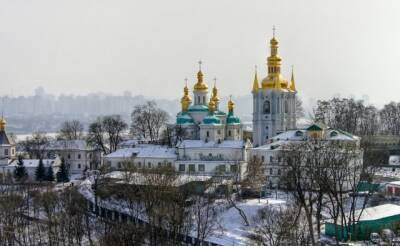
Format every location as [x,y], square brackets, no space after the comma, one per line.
[148,47]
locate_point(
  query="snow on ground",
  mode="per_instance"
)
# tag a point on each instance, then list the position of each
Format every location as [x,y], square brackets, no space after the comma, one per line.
[234,232]
[234,229]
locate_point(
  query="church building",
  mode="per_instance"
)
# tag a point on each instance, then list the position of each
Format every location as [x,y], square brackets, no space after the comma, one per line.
[274,100]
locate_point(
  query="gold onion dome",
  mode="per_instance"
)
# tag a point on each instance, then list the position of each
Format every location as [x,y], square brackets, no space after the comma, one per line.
[214,96]
[3,124]
[200,86]
[274,80]
[211,106]
[186,100]
[231,105]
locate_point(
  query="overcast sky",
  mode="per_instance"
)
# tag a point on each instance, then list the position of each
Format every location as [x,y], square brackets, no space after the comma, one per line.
[348,48]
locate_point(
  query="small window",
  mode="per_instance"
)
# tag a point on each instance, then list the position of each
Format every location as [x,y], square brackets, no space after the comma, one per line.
[271,159]
[13,151]
[5,151]
[182,167]
[159,164]
[267,107]
[234,168]
[149,164]
[222,168]
[271,171]
[334,134]
[192,168]
[139,164]
[204,99]
[201,167]
[229,133]
[69,156]
[279,171]
[219,131]
[79,156]
[210,155]
[262,158]
[79,165]
[208,134]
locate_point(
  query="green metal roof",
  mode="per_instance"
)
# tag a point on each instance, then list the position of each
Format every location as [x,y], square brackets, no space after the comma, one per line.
[184,118]
[211,119]
[232,119]
[198,108]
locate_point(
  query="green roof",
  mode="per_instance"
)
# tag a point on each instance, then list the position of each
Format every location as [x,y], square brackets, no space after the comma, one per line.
[316,127]
[198,108]
[232,119]
[220,113]
[184,118]
[211,119]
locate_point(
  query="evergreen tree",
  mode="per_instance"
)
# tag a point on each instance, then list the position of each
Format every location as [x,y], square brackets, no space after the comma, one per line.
[20,171]
[62,174]
[50,174]
[40,172]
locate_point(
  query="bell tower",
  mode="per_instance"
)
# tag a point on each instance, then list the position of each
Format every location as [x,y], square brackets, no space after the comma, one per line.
[274,100]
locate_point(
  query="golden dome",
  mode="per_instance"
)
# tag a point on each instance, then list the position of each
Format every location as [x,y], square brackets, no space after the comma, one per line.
[211,106]
[200,86]
[214,96]
[186,100]
[231,105]
[274,42]
[3,124]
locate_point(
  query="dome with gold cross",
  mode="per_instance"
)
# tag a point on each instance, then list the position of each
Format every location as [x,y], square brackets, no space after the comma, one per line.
[200,86]
[274,79]
[186,100]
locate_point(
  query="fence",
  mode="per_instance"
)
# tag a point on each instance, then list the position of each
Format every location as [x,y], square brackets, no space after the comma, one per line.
[125,218]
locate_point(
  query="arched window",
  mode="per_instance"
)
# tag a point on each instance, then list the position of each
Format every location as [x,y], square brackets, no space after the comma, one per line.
[208,134]
[198,100]
[204,99]
[229,133]
[267,107]
[286,107]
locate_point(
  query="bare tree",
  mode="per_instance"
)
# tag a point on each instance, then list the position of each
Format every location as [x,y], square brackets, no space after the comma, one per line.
[148,120]
[279,226]
[390,118]
[106,133]
[36,145]
[299,108]
[71,130]
[349,115]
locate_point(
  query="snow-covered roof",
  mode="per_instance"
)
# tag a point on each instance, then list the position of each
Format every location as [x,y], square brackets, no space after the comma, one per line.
[144,151]
[211,144]
[69,145]
[128,143]
[33,162]
[379,212]
[394,183]
[394,160]
[140,179]
[301,134]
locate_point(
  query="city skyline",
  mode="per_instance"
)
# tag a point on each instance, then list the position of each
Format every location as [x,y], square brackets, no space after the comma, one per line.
[148,49]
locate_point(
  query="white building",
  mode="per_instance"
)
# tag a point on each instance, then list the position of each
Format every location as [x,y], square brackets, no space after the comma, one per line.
[224,158]
[31,166]
[76,154]
[271,153]
[142,156]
